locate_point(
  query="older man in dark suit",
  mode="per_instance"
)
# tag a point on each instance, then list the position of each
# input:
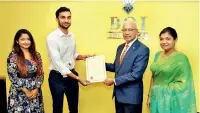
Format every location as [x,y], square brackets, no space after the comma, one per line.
[130,63]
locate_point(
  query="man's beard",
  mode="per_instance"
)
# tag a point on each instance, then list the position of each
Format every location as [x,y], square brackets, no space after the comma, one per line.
[64,27]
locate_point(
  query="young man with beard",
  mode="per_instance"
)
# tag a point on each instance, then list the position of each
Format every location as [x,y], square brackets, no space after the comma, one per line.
[63,79]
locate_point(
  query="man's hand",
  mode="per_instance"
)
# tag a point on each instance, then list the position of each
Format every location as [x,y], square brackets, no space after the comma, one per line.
[109,81]
[83,57]
[87,56]
[83,82]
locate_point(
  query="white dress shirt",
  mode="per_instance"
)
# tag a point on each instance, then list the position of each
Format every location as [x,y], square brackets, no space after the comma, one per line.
[61,51]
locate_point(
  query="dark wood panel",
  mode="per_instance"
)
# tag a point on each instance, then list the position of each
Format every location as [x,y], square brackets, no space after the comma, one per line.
[3,103]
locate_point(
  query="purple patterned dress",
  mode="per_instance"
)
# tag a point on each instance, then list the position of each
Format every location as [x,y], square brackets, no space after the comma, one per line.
[17,100]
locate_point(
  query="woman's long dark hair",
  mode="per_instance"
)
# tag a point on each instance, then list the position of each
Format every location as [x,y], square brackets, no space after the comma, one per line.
[20,55]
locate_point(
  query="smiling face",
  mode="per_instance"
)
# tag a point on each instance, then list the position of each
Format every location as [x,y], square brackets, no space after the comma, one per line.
[167,42]
[24,41]
[64,19]
[130,31]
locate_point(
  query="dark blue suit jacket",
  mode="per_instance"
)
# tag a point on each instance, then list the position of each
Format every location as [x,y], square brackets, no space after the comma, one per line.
[128,76]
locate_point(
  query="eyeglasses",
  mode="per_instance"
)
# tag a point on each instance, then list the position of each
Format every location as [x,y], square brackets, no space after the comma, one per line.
[129,30]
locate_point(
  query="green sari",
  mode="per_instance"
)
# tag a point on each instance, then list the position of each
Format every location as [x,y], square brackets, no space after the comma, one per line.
[173,90]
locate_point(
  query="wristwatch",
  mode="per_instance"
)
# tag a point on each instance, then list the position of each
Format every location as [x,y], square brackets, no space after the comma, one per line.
[77,78]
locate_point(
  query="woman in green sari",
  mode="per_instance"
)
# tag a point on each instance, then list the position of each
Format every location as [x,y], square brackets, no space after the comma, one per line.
[171,87]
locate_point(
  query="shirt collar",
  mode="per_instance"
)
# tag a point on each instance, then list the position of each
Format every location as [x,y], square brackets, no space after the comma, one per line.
[130,44]
[61,34]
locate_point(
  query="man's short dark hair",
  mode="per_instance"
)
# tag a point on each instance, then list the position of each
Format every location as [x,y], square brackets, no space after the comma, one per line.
[62,9]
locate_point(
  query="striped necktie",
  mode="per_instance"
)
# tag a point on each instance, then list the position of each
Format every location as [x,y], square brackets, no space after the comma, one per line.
[123,54]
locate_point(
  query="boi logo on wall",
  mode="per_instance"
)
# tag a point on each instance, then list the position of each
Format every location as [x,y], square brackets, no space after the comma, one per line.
[117,22]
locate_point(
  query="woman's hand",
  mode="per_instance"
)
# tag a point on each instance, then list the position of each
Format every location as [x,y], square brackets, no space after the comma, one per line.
[27,93]
[148,102]
[34,93]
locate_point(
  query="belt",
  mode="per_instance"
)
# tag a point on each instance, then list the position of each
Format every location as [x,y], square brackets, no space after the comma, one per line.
[60,73]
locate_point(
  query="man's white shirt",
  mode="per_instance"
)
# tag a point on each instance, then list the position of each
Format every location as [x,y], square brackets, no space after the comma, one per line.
[61,51]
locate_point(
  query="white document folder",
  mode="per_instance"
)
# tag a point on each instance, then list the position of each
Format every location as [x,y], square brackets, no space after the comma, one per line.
[95,69]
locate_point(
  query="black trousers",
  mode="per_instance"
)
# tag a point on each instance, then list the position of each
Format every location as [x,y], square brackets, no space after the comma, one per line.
[60,86]
[127,108]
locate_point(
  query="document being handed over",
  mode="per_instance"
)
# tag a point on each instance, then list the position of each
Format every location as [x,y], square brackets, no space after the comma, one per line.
[95,69]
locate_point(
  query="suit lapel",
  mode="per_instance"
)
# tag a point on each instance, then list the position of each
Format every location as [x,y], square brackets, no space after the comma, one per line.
[119,53]
[132,49]
[118,56]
